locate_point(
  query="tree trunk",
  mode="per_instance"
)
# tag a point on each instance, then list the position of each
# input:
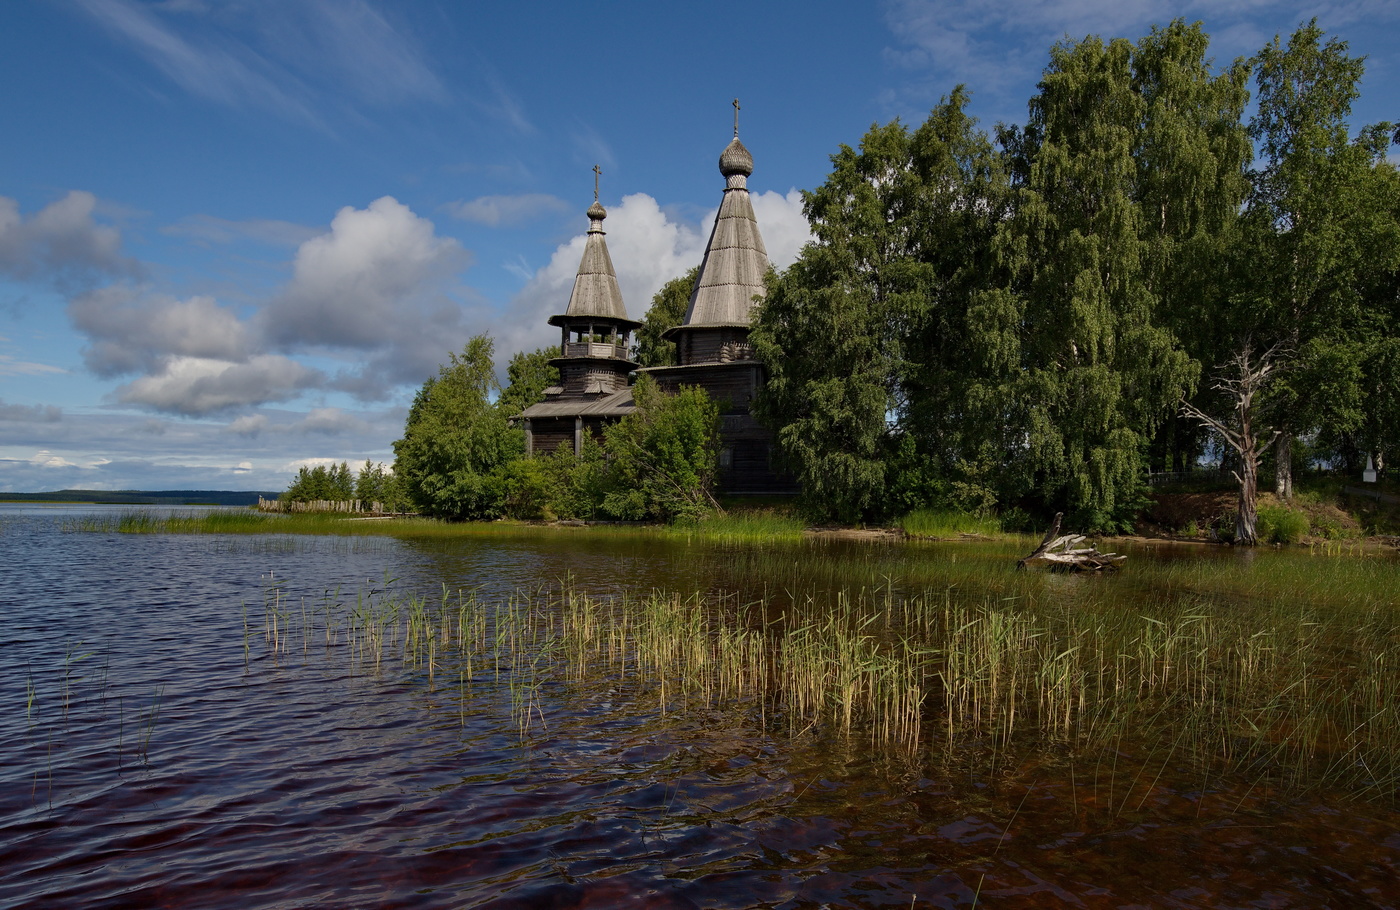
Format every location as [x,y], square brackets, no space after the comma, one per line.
[1283,460]
[1247,517]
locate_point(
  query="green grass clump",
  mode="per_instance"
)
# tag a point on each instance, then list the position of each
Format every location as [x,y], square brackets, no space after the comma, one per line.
[741,527]
[948,523]
[1278,524]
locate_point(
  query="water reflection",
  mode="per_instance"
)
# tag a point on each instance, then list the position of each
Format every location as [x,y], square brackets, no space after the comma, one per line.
[158,755]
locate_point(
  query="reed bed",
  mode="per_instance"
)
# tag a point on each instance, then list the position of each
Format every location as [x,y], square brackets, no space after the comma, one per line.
[947,523]
[1279,684]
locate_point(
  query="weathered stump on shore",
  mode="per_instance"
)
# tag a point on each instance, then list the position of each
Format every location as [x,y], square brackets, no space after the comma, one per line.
[1059,551]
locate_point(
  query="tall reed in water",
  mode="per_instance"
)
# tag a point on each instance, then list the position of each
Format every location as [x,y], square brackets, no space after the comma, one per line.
[1261,672]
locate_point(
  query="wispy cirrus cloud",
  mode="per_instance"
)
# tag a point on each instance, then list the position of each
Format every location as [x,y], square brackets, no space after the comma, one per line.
[209,64]
[346,43]
[296,60]
[209,229]
[506,211]
[9,366]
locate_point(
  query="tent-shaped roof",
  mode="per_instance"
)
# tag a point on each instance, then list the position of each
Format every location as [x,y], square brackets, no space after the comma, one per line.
[595,288]
[735,263]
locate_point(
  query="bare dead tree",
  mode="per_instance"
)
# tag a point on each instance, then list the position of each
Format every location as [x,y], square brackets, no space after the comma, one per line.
[1241,378]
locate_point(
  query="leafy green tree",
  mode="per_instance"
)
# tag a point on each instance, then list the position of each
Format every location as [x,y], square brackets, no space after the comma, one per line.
[525,489]
[827,390]
[321,484]
[579,484]
[864,337]
[664,456]
[1321,230]
[1192,153]
[377,483]
[667,309]
[527,376]
[307,486]
[456,442]
[342,483]
[1373,372]
[1125,174]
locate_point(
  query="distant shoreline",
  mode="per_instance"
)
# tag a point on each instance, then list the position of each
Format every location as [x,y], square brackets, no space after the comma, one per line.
[146,497]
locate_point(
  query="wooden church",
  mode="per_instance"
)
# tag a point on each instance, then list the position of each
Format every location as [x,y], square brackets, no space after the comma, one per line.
[593,362]
[712,343]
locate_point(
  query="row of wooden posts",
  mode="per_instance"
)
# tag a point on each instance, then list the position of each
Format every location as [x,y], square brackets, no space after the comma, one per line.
[319,505]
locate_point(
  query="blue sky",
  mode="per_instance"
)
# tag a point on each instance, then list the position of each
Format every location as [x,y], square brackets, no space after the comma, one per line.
[236,236]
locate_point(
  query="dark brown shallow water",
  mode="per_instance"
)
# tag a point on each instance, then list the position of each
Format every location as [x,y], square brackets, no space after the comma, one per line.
[150,761]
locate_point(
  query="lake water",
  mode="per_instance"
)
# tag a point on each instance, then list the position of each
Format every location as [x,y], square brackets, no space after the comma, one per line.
[156,753]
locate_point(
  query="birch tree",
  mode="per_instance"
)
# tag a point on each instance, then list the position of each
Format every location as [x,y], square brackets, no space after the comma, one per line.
[1313,220]
[865,336]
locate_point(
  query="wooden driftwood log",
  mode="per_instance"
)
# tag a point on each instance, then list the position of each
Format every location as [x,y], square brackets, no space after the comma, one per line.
[1060,551]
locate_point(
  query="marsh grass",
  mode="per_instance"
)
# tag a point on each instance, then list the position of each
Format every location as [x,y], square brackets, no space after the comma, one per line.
[1275,674]
[740,527]
[736,527]
[944,523]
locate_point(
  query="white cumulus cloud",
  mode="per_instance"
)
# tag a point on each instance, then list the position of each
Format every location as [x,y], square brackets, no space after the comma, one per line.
[46,459]
[249,425]
[381,288]
[783,225]
[329,421]
[62,242]
[131,331]
[195,386]
[349,286]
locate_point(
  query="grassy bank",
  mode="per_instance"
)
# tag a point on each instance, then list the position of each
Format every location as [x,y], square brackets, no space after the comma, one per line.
[731,528]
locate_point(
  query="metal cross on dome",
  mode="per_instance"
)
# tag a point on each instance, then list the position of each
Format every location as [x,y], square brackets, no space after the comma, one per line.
[597,172]
[736,118]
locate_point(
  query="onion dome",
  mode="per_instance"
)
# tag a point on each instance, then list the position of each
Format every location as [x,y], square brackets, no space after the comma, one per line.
[735,159]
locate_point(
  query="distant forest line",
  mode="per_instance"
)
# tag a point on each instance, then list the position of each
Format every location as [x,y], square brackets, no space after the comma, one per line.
[146,497]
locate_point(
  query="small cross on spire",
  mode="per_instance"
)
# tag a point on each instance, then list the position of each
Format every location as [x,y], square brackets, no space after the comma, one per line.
[736,118]
[597,171]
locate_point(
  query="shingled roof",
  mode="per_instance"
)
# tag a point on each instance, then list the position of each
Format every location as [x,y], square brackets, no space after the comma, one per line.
[735,262]
[595,288]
